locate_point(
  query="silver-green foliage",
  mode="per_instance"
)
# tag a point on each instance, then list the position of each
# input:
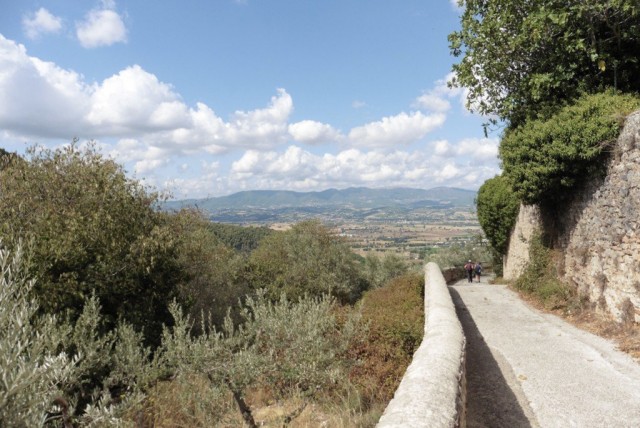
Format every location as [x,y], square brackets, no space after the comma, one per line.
[32,372]
[289,348]
[458,254]
[379,270]
[286,345]
[47,364]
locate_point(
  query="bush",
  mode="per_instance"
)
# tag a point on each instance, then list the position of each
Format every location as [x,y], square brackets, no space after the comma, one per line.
[210,281]
[241,238]
[92,231]
[33,372]
[379,270]
[54,370]
[544,160]
[497,207]
[395,316]
[307,259]
[283,348]
[540,277]
[458,254]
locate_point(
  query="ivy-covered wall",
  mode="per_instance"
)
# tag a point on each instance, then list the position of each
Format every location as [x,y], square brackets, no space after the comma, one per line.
[598,233]
[602,251]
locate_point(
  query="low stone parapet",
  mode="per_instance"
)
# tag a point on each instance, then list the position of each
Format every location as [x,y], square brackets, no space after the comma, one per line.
[433,390]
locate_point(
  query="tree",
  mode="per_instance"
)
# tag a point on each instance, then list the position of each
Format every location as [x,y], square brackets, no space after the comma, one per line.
[241,238]
[91,231]
[380,270]
[522,59]
[498,208]
[307,259]
[211,284]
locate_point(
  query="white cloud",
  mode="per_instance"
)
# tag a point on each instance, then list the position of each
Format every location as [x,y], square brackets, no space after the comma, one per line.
[477,150]
[37,98]
[297,169]
[432,103]
[457,6]
[40,99]
[40,22]
[436,99]
[101,27]
[312,132]
[262,127]
[144,157]
[156,129]
[134,100]
[392,130]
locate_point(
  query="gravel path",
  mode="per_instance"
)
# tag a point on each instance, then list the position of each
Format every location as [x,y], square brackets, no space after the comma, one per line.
[530,369]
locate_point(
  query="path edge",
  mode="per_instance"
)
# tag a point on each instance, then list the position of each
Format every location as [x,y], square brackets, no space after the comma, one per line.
[432,392]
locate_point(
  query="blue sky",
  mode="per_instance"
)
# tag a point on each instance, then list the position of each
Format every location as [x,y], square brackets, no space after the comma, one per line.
[209,97]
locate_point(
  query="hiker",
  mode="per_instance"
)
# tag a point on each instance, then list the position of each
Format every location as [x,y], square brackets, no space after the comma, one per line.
[469,268]
[478,270]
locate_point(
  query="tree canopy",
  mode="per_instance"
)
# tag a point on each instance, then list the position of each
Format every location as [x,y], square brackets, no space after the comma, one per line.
[307,259]
[521,59]
[92,231]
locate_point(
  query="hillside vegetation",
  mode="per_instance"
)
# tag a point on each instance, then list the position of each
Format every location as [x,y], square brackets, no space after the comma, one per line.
[115,313]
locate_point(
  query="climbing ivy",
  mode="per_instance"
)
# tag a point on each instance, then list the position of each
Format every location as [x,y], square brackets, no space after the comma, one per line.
[544,160]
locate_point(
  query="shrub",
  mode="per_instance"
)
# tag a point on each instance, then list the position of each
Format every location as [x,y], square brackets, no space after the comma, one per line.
[307,259]
[284,348]
[379,270]
[497,208]
[93,231]
[241,238]
[544,160]
[540,277]
[457,255]
[33,372]
[395,316]
[210,283]
[54,370]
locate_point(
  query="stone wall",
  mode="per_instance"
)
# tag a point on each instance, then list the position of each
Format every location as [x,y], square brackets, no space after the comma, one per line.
[602,250]
[432,392]
[599,233]
[518,253]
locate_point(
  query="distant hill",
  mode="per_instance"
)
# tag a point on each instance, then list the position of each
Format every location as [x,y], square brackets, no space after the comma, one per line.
[355,197]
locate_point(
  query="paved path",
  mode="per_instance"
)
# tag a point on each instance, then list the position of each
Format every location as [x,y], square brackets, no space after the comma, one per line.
[530,369]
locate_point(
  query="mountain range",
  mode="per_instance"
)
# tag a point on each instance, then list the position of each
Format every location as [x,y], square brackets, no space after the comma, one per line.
[354,197]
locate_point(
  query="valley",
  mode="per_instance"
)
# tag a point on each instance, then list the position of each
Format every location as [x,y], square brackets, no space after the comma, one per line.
[407,222]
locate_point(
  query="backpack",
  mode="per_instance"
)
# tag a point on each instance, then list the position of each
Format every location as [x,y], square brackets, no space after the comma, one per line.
[468,267]
[478,268]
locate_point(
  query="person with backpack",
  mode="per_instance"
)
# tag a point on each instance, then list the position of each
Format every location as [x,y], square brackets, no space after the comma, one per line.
[478,270]
[469,268]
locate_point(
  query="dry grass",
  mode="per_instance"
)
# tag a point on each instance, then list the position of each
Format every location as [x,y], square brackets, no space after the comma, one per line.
[626,336]
[191,404]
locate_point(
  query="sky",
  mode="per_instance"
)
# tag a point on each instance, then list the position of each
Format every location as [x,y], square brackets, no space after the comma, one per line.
[204,98]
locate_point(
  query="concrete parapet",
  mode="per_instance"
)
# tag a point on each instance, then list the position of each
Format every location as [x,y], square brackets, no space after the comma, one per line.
[433,390]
